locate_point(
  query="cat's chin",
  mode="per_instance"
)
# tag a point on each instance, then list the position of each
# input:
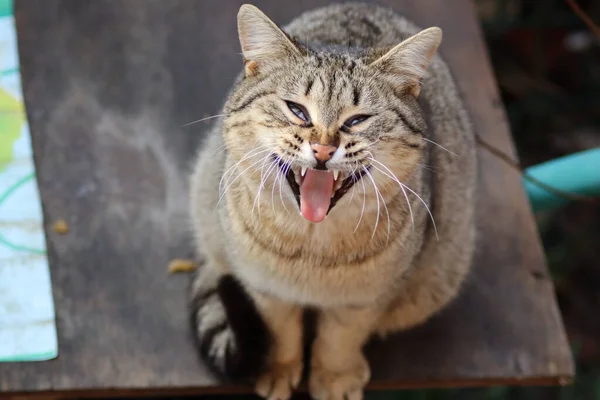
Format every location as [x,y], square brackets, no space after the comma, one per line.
[341,187]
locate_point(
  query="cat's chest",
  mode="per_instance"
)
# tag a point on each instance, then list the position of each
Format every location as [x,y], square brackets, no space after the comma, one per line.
[325,245]
[314,267]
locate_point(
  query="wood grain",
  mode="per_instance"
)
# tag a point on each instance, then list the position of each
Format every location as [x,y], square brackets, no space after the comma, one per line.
[107,86]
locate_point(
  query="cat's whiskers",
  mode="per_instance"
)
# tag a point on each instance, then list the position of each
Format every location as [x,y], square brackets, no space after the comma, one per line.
[226,182]
[376,198]
[288,161]
[241,173]
[220,150]
[412,216]
[402,185]
[284,173]
[263,180]
[204,119]
[373,143]
[232,179]
[353,181]
[252,153]
[379,195]
[362,211]
[439,145]
[278,177]
[428,167]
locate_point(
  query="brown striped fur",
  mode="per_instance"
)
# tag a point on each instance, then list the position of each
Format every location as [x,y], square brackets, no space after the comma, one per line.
[367,268]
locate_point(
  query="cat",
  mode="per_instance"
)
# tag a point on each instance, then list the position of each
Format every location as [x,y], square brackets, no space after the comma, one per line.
[341,179]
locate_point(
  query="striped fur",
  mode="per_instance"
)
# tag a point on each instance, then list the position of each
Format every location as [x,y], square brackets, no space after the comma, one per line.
[395,247]
[232,337]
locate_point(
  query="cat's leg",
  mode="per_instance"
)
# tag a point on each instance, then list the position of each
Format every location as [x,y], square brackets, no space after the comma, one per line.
[339,370]
[285,359]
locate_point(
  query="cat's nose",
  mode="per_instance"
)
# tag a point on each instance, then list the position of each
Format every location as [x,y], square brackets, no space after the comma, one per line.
[323,152]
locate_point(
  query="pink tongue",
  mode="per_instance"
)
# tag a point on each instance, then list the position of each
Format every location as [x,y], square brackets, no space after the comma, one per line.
[315,194]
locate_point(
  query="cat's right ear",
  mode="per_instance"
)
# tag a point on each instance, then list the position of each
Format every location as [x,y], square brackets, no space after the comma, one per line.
[263,43]
[411,58]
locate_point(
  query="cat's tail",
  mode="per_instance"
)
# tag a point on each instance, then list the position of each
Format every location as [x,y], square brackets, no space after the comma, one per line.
[232,337]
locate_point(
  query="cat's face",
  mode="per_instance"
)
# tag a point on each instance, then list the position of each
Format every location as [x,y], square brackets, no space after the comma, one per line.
[325,122]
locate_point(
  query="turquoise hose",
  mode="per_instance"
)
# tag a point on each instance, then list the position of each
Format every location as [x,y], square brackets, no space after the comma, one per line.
[577,173]
[6,8]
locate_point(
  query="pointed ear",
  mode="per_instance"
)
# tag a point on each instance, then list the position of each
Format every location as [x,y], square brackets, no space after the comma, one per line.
[411,58]
[262,42]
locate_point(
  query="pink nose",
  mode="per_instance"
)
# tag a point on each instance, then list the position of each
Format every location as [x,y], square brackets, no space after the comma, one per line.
[323,152]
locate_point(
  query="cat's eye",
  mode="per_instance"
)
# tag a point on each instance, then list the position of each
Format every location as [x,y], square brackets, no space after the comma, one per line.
[299,111]
[355,120]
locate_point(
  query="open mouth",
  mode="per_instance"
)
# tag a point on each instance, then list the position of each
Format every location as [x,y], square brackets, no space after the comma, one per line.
[318,191]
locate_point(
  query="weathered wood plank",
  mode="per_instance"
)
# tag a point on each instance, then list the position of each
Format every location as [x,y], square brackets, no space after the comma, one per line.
[107,86]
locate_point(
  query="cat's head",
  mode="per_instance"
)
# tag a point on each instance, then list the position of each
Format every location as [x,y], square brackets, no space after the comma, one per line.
[325,121]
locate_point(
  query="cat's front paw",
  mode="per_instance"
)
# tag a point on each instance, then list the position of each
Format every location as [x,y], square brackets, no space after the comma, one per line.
[339,384]
[279,381]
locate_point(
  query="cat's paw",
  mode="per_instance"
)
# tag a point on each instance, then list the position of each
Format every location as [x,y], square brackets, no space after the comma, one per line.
[279,381]
[347,384]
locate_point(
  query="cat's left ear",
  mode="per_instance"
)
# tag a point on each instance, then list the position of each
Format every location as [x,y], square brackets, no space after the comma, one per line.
[410,59]
[263,43]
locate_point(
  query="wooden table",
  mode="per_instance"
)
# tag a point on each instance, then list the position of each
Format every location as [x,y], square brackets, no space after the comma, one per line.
[107,86]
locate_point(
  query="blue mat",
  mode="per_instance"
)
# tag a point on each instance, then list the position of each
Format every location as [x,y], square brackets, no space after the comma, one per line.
[27,322]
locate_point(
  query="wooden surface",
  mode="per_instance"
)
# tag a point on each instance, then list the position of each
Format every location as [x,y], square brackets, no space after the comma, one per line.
[107,86]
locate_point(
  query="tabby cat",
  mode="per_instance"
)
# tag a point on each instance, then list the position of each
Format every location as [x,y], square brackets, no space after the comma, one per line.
[341,179]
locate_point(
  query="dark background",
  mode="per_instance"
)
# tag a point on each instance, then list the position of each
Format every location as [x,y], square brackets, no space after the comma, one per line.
[547,65]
